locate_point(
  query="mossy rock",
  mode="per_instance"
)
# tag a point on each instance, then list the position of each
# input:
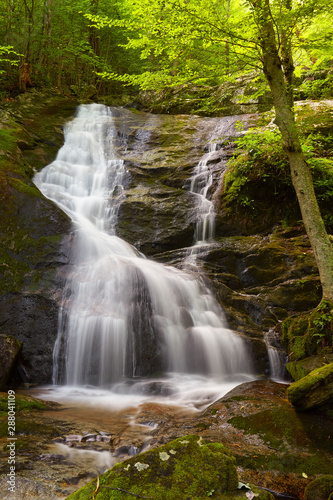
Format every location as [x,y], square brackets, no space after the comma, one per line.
[309,333]
[319,489]
[276,426]
[313,390]
[302,368]
[186,468]
[23,403]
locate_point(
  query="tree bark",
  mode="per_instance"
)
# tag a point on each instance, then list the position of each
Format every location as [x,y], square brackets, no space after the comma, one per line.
[300,171]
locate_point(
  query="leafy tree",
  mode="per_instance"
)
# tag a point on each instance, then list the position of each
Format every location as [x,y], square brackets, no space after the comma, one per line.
[184,41]
[55,38]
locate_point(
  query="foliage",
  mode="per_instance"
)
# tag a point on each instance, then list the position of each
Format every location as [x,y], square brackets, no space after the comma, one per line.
[56,39]
[315,87]
[259,159]
[206,42]
[8,56]
[310,333]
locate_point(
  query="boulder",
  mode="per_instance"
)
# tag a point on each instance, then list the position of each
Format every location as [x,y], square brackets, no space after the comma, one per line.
[9,350]
[301,368]
[313,390]
[187,467]
[319,489]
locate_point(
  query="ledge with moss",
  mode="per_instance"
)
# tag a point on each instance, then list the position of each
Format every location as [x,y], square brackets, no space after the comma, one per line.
[313,390]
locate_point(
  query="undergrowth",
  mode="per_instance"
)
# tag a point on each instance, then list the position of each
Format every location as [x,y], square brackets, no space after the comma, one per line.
[259,172]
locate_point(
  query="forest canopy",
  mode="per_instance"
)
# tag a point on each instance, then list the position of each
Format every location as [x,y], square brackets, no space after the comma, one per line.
[152,44]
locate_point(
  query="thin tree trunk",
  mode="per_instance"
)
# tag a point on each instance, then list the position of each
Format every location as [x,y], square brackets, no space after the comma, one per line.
[300,171]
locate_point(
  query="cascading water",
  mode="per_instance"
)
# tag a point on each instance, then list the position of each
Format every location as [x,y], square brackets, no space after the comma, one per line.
[201,182]
[124,315]
[276,355]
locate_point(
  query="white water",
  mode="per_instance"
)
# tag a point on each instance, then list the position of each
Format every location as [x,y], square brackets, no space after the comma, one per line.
[201,182]
[276,355]
[124,316]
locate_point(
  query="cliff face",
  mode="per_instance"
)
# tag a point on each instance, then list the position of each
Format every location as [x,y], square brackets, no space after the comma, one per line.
[33,232]
[258,279]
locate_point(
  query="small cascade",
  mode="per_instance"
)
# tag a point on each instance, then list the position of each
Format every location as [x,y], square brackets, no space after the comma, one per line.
[201,182]
[276,355]
[125,316]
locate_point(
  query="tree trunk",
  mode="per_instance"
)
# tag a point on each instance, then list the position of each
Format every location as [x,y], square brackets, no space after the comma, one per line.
[300,171]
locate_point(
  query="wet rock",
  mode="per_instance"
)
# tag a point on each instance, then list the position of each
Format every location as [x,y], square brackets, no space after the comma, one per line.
[32,233]
[73,438]
[126,450]
[9,351]
[89,438]
[313,390]
[319,489]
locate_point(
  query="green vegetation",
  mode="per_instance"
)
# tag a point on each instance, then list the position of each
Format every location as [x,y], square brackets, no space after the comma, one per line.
[22,404]
[187,467]
[312,390]
[258,177]
[309,333]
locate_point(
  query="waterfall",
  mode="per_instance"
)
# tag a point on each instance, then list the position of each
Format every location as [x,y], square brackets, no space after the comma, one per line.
[201,182]
[276,355]
[123,315]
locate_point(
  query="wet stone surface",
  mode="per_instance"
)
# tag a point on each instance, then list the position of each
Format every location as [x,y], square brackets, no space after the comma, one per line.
[61,448]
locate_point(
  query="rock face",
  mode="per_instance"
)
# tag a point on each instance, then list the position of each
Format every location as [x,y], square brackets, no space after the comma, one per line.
[9,350]
[258,279]
[32,231]
[313,390]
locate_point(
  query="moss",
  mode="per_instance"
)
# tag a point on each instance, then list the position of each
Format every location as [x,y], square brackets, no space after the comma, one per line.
[26,427]
[7,139]
[319,489]
[20,444]
[310,390]
[311,465]
[309,334]
[275,426]
[299,369]
[22,403]
[186,468]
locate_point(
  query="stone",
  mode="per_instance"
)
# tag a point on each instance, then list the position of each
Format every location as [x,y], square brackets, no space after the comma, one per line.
[313,390]
[9,351]
[301,368]
[188,467]
[319,489]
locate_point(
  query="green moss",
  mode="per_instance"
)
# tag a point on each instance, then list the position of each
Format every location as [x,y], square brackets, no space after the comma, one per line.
[319,489]
[299,369]
[26,427]
[275,426]
[22,404]
[258,181]
[23,187]
[299,393]
[7,139]
[286,463]
[20,444]
[309,334]
[186,468]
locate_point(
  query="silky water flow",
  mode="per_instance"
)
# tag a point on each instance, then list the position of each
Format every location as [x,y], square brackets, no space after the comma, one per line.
[124,317]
